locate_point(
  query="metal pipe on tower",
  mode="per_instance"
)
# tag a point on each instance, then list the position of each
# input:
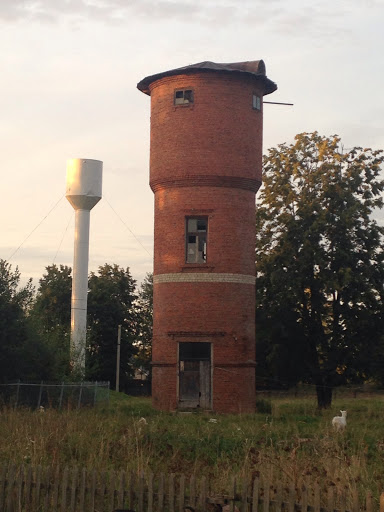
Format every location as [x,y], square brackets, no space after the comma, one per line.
[84,187]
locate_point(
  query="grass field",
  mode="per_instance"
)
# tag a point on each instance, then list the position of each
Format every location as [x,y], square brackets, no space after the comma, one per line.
[288,441]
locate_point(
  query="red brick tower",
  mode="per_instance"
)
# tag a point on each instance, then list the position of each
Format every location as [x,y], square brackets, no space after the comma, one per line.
[205,169]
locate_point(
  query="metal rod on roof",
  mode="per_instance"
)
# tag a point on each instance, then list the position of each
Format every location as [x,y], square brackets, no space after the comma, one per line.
[277,103]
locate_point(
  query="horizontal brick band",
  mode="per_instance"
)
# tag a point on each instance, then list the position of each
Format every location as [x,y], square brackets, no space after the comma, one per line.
[196,334]
[204,180]
[200,277]
[163,365]
[248,364]
[218,366]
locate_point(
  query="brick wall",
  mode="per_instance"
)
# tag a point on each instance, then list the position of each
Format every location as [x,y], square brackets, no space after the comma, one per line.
[220,134]
[206,161]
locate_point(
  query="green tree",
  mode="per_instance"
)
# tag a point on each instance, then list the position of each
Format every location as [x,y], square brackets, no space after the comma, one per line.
[143,343]
[23,354]
[319,260]
[111,302]
[51,314]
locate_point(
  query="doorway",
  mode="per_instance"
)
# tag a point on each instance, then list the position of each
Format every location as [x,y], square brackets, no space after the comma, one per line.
[194,375]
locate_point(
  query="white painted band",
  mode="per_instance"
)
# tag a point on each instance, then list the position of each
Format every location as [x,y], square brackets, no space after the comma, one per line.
[200,277]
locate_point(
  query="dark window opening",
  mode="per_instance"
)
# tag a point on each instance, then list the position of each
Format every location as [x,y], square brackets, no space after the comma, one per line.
[194,351]
[196,240]
[256,102]
[183,97]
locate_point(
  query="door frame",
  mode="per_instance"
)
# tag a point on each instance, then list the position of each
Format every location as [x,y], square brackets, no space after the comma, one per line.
[210,401]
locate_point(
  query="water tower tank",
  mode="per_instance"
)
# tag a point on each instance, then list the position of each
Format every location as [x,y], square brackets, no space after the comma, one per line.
[84,187]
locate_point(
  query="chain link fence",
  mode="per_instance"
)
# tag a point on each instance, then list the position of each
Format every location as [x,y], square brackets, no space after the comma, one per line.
[60,395]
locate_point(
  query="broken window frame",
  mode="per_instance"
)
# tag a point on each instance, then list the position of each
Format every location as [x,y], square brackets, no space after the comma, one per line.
[196,250]
[256,102]
[183,97]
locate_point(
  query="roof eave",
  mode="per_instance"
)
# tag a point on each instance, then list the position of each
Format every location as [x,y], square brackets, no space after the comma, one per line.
[144,85]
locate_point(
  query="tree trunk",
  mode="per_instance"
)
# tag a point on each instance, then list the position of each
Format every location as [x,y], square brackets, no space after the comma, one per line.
[324,395]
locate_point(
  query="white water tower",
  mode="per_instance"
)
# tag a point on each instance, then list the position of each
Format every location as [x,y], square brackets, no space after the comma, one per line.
[84,184]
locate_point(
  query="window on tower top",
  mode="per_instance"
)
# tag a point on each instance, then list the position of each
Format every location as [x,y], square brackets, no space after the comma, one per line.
[183,97]
[196,239]
[256,102]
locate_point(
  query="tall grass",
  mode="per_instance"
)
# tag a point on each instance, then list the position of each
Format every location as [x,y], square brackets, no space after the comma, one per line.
[290,441]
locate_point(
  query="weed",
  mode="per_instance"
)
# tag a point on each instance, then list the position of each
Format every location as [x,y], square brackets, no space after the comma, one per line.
[287,440]
[264,406]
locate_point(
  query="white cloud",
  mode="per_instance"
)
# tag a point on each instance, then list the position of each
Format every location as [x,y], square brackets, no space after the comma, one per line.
[111,10]
[291,18]
[68,89]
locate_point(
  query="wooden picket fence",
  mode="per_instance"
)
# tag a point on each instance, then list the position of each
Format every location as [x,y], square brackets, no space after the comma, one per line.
[29,489]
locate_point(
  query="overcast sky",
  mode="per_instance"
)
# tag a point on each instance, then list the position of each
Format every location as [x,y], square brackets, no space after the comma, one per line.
[69,70]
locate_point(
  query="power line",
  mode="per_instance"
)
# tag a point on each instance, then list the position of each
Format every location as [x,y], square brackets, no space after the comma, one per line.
[128,228]
[62,238]
[66,229]
[34,229]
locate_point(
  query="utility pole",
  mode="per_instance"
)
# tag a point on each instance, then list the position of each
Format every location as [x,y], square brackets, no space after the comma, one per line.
[118,358]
